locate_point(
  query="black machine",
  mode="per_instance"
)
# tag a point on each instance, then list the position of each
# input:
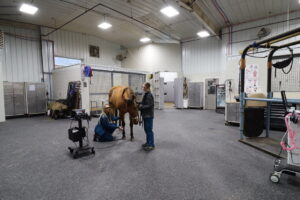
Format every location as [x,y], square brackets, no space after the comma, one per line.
[78,134]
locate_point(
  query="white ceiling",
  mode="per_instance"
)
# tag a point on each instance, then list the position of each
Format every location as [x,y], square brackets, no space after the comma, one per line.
[126,31]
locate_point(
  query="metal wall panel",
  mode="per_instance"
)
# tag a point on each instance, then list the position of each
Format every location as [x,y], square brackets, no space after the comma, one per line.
[241,39]
[136,81]
[2,106]
[120,79]
[206,58]
[21,61]
[100,82]
[76,45]
[201,57]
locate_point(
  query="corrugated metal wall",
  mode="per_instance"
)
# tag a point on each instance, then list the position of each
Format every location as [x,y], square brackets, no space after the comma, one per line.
[201,57]
[76,45]
[209,57]
[241,39]
[22,59]
[2,111]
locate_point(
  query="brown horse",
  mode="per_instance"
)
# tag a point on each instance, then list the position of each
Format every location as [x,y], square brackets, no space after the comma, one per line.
[122,98]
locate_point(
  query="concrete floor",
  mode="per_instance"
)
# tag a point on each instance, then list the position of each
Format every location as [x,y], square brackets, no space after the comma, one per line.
[196,157]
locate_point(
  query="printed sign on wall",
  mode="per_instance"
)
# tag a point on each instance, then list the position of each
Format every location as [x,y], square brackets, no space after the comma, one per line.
[251,78]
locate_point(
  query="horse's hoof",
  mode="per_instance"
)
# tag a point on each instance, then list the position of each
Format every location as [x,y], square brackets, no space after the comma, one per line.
[124,137]
[131,139]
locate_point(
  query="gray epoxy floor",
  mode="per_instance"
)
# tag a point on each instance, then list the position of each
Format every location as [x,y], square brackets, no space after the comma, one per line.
[197,157]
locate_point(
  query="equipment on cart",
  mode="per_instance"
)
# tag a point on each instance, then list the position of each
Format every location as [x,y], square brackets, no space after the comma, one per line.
[78,134]
[290,143]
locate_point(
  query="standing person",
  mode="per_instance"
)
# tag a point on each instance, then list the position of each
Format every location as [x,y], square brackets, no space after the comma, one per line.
[105,127]
[147,111]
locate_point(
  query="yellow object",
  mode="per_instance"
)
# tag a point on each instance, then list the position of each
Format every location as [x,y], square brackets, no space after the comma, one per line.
[256,103]
[57,106]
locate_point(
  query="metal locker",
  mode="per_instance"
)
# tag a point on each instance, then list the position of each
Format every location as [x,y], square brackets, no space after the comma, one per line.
[169,91]
[41,98]
[178,92]
[195,94]
[31,98]
[19,100]
[35,98]
[8,98]
[14,98]
[232,112]
[210,93]
[158,91]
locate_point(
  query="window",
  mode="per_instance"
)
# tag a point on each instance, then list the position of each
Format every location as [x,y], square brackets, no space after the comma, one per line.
[64,62]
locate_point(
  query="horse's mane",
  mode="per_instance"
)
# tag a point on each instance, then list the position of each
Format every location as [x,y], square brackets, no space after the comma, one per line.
[128,94]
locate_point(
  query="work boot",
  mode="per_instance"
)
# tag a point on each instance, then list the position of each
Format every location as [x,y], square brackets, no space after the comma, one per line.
[148,148]
[144,145]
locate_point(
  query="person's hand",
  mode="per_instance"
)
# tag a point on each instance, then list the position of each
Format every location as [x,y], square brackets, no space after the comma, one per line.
[120,127]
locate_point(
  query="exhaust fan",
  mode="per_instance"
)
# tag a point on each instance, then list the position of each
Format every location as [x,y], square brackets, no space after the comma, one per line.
[263,32]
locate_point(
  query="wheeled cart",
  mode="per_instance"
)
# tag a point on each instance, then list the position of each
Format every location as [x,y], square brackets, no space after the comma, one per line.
[290,143]
[78,134]
[282,167]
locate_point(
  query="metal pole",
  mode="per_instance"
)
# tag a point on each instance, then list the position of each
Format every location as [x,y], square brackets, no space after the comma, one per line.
[242,116]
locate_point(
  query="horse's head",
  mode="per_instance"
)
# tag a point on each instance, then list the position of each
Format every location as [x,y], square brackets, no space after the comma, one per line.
[133,110]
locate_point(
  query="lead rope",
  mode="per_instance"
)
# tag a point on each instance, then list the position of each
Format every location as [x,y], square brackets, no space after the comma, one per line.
[140,119]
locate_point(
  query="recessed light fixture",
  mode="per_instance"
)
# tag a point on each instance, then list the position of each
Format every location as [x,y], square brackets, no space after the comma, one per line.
[169,11]
[203,34]
[145,39]
[104,25]
[29,9]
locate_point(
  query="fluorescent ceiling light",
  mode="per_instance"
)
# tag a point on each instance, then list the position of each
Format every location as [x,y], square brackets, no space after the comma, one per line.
[104,25]
[169,11]
[203,34]
[29,9]
[145,39]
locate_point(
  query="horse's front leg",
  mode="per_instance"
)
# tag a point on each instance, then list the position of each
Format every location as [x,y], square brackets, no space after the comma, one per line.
[131,130]
[122,120]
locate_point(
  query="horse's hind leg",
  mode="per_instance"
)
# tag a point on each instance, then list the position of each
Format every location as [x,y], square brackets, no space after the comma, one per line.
[131,130]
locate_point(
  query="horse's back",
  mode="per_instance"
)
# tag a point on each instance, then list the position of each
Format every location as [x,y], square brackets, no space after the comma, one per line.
[116,96]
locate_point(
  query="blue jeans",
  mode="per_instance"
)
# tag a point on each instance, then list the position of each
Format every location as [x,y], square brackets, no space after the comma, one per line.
[148,126]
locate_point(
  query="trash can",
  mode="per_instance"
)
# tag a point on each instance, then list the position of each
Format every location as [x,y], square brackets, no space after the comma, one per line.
[254,121]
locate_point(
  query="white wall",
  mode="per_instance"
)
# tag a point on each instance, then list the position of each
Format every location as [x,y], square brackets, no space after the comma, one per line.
[62,77]
[154,57]
[22,59]
[209,57]
[202,59]
[76,45]
[2,111]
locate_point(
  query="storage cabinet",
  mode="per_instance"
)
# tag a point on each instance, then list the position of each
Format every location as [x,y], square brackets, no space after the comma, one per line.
[35,98]
[232,112]
[24,98]
[14,98]
[195,95]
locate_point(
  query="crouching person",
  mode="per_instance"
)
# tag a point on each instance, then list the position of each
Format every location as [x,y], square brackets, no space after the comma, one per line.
[104,130]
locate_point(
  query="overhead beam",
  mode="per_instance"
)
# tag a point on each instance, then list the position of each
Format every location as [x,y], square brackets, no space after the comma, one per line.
[194,8]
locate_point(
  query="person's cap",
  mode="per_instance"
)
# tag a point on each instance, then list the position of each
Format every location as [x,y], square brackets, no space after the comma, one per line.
[106,106]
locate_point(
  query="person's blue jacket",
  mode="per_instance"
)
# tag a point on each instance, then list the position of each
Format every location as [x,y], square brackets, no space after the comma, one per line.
[105,128]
